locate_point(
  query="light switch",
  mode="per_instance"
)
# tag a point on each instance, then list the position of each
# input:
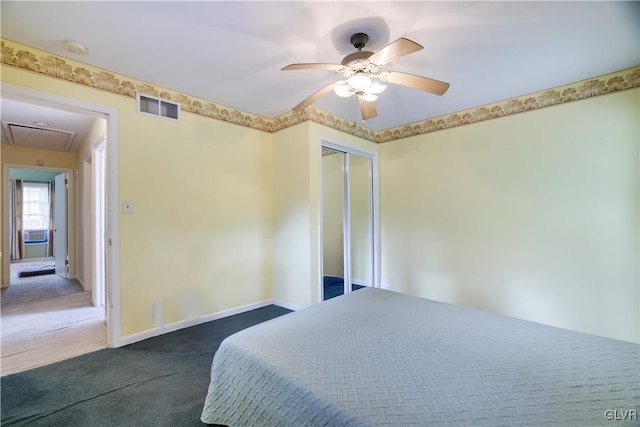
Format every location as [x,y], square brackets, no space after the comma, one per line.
[127,207]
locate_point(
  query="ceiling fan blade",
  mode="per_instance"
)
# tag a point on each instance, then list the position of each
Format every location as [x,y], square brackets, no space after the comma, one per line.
[417,82]
[313,98]
[394,50]
[367,108]
[314,66]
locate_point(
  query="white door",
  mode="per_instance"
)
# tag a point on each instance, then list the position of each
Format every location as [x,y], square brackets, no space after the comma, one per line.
[60,224]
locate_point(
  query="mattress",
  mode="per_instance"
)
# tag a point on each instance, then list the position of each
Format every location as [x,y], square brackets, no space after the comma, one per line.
[380,358]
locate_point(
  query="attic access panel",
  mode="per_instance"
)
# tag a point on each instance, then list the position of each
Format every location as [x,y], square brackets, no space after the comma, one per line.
[38,137]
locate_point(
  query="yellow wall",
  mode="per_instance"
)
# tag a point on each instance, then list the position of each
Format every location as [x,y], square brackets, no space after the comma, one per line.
[13,154]
[199,238]
[533,215]
[2,284]
[199,235]
[292,253]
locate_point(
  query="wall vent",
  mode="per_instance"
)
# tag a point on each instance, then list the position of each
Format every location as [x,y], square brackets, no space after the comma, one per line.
[157,107]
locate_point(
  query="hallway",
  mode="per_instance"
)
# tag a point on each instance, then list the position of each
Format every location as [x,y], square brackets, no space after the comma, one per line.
[45,319]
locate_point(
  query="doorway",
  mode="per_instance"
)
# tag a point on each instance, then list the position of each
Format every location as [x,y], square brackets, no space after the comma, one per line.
[349,220]
[83,224]
[38,223]
[46,314]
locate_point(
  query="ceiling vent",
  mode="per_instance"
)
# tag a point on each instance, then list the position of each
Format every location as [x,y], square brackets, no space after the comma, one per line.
[38,137]
[157,107]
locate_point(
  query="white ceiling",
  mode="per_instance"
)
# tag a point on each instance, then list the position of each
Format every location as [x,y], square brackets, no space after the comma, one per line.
[231,53]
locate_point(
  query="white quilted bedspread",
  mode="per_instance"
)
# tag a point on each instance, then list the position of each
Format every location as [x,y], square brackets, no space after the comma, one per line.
[380,358]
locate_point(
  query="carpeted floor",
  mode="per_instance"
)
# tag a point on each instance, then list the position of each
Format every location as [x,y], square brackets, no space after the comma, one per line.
[334,287]
[37,288]
[159,382]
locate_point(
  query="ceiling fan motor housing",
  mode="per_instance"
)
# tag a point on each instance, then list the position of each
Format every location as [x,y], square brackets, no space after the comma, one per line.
[358,40]
[357,61]
[360,55]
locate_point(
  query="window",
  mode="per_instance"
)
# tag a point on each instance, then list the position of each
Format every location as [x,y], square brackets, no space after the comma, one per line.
[35,205]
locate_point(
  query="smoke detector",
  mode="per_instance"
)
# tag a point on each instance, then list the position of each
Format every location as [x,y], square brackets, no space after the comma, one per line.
[75,47]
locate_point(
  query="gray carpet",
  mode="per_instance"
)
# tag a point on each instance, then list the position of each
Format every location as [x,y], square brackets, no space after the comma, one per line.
[38,288]
[161,381]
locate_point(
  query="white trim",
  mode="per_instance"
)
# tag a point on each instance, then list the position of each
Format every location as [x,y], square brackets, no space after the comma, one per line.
[47,99]
[182,324]
[346,225]
[319,224]
[77,278]
[97,219]
[346,147]
[375,201]
[112,225]
[286,305]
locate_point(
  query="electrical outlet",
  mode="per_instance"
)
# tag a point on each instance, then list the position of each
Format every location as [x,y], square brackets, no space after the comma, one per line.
[127,207]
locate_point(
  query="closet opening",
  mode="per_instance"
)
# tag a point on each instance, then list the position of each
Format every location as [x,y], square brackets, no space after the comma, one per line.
[349,219]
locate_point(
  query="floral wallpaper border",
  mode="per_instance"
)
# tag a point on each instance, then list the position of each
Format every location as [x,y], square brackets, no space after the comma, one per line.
[31,59]
[610,83]
[34,60]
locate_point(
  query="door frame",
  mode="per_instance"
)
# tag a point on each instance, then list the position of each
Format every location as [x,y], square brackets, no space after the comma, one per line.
[97,236]
[374,214]
[64,265]
[6,169]
[110,114]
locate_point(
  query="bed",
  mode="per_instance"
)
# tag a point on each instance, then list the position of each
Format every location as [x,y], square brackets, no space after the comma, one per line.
[380,358]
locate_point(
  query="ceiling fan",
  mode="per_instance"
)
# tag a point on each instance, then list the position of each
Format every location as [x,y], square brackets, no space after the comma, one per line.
[362,69]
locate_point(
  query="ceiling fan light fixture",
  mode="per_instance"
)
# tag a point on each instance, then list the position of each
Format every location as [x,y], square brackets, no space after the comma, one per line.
[342,89]
[377,88]
[359,82]
[360,69]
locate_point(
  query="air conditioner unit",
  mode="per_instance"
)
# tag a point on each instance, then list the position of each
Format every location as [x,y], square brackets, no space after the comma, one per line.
[36,236]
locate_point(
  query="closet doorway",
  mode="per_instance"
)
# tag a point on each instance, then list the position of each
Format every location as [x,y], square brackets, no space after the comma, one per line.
[350,242]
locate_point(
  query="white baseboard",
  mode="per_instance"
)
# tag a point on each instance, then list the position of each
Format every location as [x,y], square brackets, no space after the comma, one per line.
[77,278]
[171,327]
[286,305]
